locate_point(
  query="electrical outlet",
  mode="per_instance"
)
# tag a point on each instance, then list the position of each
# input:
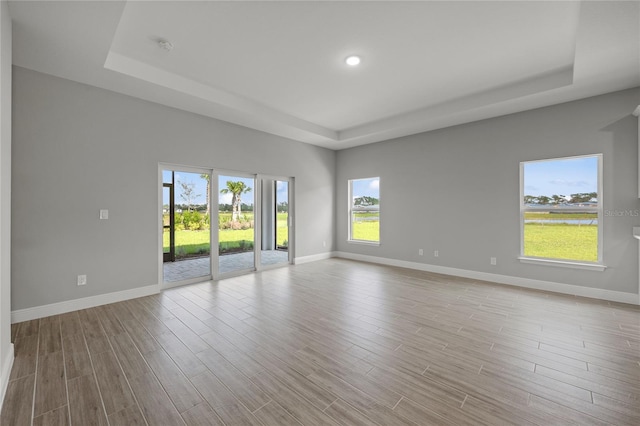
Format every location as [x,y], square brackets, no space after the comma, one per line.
[436,253]
[494,261]
[420,252]
[82,280]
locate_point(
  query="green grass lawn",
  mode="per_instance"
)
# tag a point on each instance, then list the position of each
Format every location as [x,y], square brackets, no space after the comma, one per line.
[366,231]
[197,242]
[555,241]
[561,241]
[559,216]
[363,228]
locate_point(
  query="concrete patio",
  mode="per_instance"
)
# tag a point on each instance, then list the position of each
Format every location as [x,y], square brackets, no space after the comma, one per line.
[199,267]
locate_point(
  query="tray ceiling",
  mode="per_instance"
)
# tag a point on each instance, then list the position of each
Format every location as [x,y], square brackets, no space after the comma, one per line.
[279,66]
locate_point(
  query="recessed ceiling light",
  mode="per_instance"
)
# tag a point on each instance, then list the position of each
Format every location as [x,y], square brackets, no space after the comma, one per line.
[165,44]
[353,60]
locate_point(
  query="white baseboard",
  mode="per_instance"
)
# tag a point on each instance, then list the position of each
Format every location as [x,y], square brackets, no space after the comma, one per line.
[84,303]
[313,258]
[5,373]
[594,293]
[103,299]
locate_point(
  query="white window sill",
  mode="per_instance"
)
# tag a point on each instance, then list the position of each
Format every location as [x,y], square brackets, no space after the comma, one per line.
[563,263]
[365,243]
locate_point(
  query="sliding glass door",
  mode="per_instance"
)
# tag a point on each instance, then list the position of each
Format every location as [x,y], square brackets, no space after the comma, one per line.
[274,214]
[236,224]
[186,237]
[217,224]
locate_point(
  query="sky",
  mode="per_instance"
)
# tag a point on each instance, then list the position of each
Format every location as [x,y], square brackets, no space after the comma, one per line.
[200,188]
[561,177]
[369,187]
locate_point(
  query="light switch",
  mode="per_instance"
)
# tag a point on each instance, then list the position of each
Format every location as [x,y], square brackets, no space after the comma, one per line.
[104,214]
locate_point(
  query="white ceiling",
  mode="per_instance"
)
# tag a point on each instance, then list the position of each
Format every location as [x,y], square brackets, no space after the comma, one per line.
[279,66]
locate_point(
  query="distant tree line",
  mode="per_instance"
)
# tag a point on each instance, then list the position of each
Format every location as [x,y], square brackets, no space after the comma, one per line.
[202,208]
[229,207]
[366,201]
[582,197]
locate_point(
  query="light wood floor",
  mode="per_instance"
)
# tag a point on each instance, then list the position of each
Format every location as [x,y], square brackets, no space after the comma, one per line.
[331,342]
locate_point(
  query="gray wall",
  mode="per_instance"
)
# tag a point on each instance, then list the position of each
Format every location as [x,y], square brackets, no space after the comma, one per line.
[5,195]
[457,189]
[78,149]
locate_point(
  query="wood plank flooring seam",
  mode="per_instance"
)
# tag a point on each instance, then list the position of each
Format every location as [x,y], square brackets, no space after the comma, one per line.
[228,389]
[137,402]
[111,349]
[66,381]
[35,377]
[95,376]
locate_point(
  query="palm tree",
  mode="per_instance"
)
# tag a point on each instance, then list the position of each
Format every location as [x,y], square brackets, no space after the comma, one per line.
[236,189]
[206,177]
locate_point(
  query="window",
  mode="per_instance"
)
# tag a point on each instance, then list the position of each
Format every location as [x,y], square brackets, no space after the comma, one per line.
[364,210]
[561,210]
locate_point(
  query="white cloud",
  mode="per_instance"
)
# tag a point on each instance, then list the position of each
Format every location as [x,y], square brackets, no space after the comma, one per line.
[375,184]
[226,198]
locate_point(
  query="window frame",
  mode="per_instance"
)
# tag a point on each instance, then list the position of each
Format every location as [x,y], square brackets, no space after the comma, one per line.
[578,264]
[351,209]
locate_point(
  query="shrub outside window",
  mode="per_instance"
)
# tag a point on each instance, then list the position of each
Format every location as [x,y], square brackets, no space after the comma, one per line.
[364,210]
[561,209]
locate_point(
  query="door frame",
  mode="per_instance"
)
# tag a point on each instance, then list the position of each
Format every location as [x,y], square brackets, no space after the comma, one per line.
[160,227]
[171,256]
[290,219]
